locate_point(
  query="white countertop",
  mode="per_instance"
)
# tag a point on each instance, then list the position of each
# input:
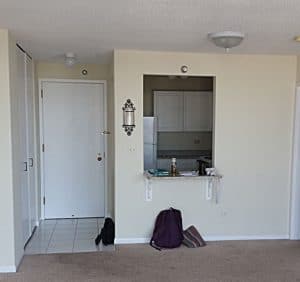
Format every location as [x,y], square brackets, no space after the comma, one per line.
[180,177]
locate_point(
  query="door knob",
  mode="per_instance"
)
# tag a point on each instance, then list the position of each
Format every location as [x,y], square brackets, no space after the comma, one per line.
[99,158]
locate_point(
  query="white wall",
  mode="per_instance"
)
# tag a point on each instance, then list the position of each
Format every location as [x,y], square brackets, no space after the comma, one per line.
[253,137]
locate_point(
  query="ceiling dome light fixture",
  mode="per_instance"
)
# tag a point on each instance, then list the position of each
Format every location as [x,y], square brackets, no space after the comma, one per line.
[70,59]
[226,39]
[297,38]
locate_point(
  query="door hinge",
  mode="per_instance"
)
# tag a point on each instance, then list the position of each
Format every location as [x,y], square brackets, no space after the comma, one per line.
[44,200]
[42,93]
[43,148]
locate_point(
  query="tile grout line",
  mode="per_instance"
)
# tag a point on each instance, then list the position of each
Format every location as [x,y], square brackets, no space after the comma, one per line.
[51,237]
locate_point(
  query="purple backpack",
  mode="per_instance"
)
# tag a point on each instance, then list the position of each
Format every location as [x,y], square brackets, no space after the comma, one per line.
[168,232]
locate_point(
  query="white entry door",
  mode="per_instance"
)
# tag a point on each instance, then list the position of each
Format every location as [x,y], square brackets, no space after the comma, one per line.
[74,149]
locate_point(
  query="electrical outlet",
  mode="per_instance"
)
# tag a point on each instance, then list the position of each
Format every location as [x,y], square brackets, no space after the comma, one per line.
[148,193]
[223,213]
[209,192]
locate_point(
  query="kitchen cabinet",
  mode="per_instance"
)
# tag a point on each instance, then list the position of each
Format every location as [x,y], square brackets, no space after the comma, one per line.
[183,110]
[198,111]
[168,108]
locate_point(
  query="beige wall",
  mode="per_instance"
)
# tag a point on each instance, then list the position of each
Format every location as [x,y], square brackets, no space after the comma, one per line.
[60,71]
[110,140]
[10,200]
[95,72]
[152,83]
[6,199]
[253,137]
[16,147]
[298,70]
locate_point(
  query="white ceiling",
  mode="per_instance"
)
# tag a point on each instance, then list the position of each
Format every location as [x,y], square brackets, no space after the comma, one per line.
[93,28]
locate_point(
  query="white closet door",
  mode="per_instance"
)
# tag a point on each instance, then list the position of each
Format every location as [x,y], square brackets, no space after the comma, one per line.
[74,166]
[30,142]
[23,158]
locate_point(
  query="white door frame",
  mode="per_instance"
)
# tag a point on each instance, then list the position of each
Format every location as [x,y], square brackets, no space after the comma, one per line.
[41,126]
[295,176]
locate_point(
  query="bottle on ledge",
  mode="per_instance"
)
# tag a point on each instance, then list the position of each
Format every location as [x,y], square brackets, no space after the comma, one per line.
[173,167]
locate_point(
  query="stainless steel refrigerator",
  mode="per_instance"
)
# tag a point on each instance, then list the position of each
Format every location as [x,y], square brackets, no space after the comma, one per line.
[150,142]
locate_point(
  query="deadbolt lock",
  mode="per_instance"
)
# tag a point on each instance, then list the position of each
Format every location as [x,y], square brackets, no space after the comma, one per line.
[99,158]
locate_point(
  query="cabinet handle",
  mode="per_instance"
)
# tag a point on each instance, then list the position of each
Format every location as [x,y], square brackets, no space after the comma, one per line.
[26,166]
[31,162]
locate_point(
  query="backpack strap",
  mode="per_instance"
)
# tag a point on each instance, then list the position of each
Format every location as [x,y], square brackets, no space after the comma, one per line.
[98,239]
[152,244]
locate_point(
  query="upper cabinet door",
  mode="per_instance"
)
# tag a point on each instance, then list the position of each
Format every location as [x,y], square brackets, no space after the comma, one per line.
[198,111]
[168,108]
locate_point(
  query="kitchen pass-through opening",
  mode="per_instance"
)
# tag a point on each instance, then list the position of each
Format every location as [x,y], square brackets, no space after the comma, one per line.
[178,123]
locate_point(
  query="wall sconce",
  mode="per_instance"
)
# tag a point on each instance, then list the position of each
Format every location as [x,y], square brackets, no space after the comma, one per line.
[128,117]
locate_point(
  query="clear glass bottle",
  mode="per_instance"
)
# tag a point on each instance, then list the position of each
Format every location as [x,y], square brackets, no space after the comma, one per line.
[173,167]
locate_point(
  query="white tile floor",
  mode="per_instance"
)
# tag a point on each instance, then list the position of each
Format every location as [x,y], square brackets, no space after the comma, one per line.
[66,236]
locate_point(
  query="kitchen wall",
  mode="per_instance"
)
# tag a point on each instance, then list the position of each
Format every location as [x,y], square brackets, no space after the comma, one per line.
[253,143]
[184,141]
[95,72]
[177,140]
[158,82]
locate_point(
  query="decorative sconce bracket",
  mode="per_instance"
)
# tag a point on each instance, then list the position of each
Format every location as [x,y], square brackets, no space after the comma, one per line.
[128,117]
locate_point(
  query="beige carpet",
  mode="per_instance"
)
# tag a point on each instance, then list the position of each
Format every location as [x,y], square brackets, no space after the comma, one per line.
[221,261]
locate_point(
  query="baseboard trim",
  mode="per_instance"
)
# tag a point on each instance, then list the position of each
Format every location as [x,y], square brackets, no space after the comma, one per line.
[245,237]
[295,237]
[120,241]
[8,268]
